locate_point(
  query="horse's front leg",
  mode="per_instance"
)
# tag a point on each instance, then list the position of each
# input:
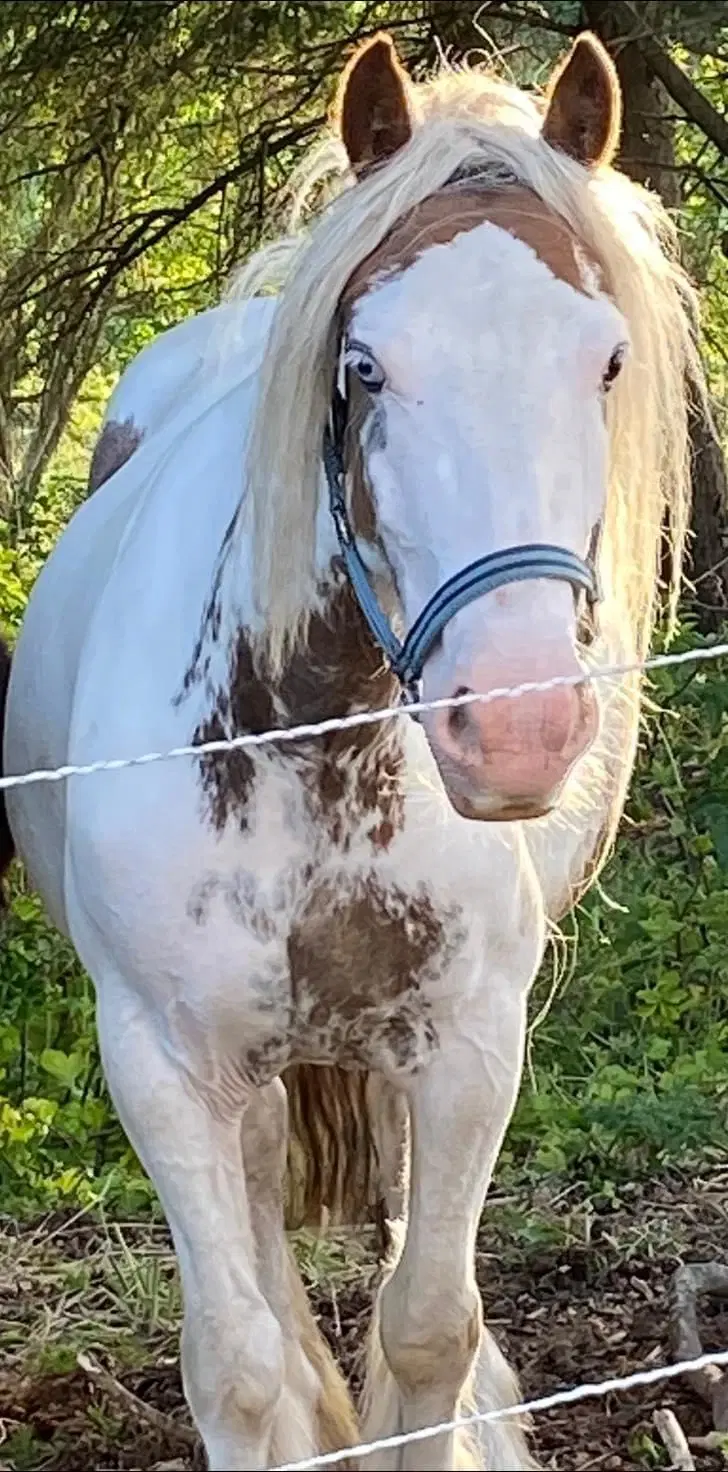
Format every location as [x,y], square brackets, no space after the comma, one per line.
[185,1124]
[430,1352]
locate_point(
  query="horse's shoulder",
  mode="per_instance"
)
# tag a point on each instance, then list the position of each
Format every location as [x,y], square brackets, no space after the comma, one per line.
[223,341]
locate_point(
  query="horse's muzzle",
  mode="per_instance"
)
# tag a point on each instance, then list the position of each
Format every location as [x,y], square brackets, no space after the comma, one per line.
[508,759]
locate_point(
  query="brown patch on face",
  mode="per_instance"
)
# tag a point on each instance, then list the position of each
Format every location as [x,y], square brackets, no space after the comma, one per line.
[443,216]
[115,445]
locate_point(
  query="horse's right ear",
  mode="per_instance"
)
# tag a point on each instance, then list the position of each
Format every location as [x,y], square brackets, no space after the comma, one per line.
[584,112]
[372,107]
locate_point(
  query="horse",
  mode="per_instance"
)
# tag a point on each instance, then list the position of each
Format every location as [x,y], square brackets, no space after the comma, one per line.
[426,449]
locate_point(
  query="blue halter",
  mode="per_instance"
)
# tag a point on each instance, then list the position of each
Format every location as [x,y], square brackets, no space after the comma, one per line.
[512,565]
[407,659]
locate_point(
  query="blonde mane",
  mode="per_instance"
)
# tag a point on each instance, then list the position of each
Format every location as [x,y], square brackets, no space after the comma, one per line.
[463,119]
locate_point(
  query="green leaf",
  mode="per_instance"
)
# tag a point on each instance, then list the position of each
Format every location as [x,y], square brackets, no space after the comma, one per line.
[63,1066]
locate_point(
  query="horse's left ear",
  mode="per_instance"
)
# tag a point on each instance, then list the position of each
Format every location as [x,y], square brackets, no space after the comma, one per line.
[372,109]
[584,112]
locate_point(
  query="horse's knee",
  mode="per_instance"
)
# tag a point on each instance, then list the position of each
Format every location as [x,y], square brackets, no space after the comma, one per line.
[233,1373]
[435,1340]
[264,1134]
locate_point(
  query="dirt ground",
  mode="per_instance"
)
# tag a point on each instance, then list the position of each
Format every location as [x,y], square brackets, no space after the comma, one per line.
[89,1313]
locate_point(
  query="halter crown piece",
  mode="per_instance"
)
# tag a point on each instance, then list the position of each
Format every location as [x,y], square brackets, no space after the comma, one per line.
[512,565]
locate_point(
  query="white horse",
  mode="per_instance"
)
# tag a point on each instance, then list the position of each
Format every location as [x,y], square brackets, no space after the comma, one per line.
[414,435]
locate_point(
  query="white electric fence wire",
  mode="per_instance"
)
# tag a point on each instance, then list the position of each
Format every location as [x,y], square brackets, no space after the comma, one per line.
[363,718]
[588,1391]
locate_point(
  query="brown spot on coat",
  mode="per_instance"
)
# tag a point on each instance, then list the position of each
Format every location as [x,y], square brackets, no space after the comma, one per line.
[441,217]
[381,939]
[243,707]
[354,774]
[116,444]
[365,951]
[357,964]
[348,776]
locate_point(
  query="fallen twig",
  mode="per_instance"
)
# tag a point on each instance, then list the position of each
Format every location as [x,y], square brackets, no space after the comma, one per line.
[674,1439]
[166,1424]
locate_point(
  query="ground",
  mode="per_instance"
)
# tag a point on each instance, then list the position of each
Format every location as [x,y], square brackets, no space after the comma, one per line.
[89,1311]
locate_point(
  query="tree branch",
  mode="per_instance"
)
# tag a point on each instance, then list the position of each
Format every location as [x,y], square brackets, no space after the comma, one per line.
[537,19]
[693,102]
[139,242]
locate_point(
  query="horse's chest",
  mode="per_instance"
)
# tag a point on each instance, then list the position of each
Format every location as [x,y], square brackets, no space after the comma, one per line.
[364,959]
[337,966]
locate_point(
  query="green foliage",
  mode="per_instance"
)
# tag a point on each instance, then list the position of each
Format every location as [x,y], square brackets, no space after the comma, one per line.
[59,1139]
[631,1064]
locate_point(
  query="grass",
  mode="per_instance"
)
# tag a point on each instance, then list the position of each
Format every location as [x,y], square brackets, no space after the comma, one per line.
[112,1286]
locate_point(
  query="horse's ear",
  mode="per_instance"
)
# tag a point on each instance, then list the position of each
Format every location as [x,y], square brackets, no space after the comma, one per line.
[372,109]
[584,112]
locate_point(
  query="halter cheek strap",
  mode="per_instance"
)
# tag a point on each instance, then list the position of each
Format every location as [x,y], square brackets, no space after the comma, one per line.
[512,565]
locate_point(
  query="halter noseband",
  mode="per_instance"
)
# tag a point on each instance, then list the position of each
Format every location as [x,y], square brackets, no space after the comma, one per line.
[512,565]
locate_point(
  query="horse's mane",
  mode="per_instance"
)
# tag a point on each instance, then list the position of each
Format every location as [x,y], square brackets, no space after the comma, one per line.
[463,119]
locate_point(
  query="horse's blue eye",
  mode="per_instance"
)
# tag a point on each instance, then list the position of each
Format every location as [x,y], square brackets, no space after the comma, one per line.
[366,368]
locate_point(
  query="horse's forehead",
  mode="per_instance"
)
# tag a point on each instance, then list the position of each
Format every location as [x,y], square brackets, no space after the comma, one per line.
[442,217]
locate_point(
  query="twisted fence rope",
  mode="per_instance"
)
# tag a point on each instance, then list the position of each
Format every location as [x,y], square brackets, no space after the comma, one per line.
[362,718]
[588,1391]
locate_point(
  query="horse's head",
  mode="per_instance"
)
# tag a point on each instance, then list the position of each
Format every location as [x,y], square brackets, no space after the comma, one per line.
[477,347]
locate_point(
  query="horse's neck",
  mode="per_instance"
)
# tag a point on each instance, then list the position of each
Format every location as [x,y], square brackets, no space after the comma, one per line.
[334,669]
[337,669]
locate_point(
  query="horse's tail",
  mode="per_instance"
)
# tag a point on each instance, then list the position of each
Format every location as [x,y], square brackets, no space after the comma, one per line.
[7,847]
[347,1147]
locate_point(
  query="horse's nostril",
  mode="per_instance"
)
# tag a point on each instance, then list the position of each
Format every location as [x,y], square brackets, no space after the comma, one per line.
[458,716]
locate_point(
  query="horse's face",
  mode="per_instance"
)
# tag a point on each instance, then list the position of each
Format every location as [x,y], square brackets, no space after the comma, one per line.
[484,351]
[485,367]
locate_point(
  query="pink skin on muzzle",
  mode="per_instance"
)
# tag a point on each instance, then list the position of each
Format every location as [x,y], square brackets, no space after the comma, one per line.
[509,758]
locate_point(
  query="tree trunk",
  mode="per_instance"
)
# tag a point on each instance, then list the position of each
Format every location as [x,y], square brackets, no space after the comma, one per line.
[648,155]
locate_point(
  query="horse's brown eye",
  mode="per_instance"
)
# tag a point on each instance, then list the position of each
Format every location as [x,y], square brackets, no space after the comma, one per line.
[614,367]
